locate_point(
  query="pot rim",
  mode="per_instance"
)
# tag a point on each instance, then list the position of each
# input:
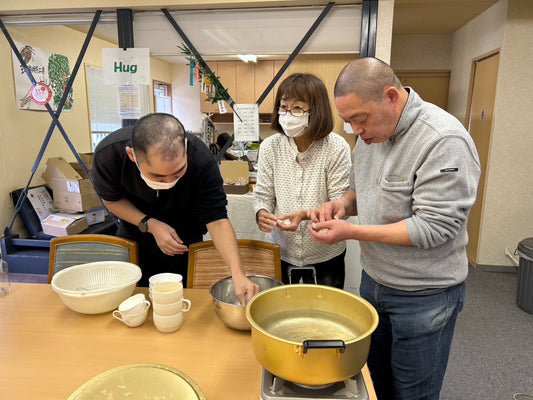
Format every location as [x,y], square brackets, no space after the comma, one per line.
[299,286]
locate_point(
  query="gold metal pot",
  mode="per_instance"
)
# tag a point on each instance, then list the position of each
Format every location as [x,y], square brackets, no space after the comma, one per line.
[311,334]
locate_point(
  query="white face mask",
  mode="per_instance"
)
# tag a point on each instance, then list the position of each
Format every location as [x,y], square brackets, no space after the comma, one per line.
[293,126]
[154,184]
[158,185]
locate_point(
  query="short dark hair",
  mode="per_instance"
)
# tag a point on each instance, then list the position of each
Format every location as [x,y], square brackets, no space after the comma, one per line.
[162,131]
[222,139]
[367,78]
[308,88]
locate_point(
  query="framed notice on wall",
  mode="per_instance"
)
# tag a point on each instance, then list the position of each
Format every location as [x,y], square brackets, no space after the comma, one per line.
[51,72]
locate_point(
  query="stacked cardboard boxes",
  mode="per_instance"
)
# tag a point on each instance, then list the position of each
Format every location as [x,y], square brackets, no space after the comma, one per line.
[73,195]
[72,189]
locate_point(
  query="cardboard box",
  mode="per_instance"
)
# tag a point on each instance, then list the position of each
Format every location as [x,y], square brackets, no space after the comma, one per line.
[76,202]
[236,176]
[70,185]
[236,189]
[63,224]
[95,215]
[58,167]
[72,189]
[41,201]
[87,159]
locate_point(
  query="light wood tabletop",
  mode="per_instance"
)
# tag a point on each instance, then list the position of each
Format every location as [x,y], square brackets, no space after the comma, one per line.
[47,350]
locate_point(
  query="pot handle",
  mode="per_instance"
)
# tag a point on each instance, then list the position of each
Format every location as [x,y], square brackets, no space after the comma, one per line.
[305,267]
[324,344]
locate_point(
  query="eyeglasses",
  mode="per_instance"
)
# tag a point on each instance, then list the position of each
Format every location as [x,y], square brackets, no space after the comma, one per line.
[295,112]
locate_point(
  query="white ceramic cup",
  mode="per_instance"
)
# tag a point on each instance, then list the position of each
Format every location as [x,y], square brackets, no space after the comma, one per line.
[182,305]
[164,277]
[131,320]
[168,323]
[134,304]
[167,292]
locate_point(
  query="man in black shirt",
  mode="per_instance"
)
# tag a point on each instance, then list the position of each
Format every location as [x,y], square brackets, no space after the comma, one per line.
[166,189]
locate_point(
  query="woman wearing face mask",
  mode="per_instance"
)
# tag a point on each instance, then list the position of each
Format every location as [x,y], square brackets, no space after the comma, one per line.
[300,167]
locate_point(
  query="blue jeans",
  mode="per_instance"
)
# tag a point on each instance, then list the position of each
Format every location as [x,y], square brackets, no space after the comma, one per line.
[410,347]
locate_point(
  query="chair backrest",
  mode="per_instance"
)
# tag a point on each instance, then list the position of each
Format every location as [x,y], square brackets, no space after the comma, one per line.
[66,251]
[206,265]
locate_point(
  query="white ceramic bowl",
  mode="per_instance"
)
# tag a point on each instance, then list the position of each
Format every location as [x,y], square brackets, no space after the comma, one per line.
[98,287]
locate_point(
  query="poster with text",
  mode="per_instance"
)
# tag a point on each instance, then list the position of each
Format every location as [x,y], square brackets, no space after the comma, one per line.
[246,122]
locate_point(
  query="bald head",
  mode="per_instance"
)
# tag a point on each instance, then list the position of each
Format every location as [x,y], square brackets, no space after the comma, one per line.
[367,78]
[161,132]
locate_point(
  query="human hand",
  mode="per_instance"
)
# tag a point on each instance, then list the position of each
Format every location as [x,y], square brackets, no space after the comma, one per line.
[291,221]
[327,211]
[166,238]
[244,288]
[266,221]
[330,232]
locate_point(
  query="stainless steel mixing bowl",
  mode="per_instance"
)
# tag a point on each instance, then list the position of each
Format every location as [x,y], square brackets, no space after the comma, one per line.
[228,307]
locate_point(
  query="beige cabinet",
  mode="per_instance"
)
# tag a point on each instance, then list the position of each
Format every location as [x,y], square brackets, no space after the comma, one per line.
[245,83]
[264,73]
[206,106]
[228,78]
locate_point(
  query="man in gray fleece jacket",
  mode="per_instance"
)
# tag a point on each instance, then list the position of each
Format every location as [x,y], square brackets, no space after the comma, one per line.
[413,183]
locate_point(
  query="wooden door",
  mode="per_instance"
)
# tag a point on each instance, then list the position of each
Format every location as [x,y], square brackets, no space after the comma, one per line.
[432,86]
[479,117]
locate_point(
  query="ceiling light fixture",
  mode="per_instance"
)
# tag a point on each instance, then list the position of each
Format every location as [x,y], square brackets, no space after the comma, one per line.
[247,57]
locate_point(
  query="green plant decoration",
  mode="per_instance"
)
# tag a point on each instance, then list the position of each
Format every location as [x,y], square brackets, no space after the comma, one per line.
[220,93]
[59,74]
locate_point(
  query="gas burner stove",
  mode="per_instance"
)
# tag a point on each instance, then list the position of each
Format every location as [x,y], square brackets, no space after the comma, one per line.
[275,388]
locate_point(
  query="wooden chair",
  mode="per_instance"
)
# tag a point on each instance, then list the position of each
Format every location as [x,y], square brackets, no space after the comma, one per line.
[67,251]
[206,265]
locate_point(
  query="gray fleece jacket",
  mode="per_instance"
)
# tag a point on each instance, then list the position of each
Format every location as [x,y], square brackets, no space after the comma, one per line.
[426,174]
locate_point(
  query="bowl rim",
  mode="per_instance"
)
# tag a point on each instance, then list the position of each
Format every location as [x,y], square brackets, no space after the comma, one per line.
[81,295]
[90,293]
[211,288]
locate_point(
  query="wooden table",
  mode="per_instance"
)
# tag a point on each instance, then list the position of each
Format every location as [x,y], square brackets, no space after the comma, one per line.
[47,350]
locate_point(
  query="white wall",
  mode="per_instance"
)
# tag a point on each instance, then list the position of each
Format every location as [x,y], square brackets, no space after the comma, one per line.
[186,99]
[421,52]
[507,25]
[353,263]
[384,30]
[508,210]
[482,35]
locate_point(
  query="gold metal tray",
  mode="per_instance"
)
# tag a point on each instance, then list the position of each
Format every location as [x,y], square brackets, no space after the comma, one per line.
[140,382]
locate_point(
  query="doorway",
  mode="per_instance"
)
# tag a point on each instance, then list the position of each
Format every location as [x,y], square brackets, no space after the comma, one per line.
[479,118]
[432,86]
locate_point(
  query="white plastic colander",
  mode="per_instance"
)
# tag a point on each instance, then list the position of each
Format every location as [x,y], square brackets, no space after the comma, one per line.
[96,287]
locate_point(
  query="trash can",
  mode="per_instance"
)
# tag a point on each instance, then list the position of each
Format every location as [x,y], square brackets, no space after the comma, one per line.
[524,296]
